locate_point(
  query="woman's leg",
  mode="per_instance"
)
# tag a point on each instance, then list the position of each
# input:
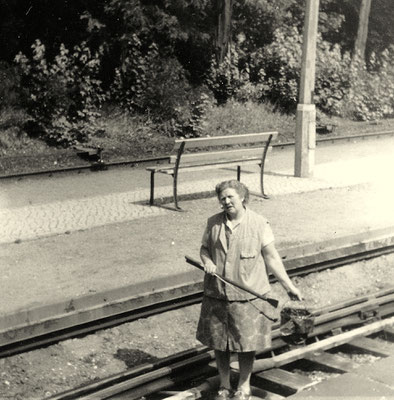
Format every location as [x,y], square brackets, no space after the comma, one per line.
[245,360]
[223,364]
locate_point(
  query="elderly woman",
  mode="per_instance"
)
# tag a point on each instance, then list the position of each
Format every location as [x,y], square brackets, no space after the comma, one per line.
[239,245]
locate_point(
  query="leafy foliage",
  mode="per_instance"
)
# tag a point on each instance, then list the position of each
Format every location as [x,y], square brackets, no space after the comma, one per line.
[226,79]
[192,120]
[333,77]
[161,64]
[63,95]
[156,59]
[342,84]
[371,95]
[279,66]
[10,90]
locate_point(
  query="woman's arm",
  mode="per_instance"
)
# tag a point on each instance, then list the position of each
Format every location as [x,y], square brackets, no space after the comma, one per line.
[275,265]
[209,266]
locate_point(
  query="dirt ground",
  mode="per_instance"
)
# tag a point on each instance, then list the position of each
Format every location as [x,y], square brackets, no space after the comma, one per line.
[41,373]
[78,263]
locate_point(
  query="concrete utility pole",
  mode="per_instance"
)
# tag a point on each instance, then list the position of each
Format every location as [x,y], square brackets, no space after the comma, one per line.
[305,137]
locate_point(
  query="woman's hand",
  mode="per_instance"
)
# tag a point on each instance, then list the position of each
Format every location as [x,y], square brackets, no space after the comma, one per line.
[295,294]
[210,268]
[275,265]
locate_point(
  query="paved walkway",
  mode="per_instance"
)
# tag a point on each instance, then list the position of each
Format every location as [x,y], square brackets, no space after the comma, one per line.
[84,202]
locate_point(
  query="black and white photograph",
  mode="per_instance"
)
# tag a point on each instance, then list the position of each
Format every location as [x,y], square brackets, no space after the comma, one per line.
[196,199]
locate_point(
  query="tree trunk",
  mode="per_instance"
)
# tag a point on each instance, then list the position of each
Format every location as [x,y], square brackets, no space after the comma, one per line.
[362,33]
[223,29]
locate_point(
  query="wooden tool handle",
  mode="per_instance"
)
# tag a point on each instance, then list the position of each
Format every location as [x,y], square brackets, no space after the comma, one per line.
[270,300]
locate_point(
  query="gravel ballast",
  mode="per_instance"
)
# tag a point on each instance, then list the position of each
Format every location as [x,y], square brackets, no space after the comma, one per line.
[41,373]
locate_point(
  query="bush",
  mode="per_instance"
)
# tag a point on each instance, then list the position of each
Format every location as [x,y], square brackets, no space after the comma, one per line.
[371,95]
[333,78]
[63,96]
[343,85]
[227,78]
[10,89]
[278,68]
[131,78]
[191,120]
[149,84]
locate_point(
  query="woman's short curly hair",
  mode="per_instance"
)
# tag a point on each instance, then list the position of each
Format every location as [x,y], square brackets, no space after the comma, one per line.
[239,187]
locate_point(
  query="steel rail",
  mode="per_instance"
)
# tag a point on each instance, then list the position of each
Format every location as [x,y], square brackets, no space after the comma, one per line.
[143,381]
[51,324]
[345,138]
[152,387]
[80,329]
[163,158]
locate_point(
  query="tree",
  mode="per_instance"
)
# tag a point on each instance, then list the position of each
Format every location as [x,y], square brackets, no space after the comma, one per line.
[362,32]
[223,28]
[381,26]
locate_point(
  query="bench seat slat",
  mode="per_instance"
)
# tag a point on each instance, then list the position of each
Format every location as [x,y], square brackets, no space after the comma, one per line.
[200,167]
[225,140]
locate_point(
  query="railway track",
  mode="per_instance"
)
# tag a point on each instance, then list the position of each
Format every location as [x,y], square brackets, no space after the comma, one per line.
[97,166]
[362,325]
[43,326]
[297,265]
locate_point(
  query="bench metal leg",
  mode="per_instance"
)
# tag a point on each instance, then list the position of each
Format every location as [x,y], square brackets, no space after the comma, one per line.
[238,172]
[262,182]
[152,188]
[262,167]
[263,195]
[175,191]
[175,174]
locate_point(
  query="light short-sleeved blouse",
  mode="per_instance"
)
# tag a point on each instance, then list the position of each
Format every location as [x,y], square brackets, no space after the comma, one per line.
[237,255]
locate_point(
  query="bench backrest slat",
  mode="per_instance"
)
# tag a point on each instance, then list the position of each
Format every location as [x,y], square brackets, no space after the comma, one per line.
[225,140]
[212,156]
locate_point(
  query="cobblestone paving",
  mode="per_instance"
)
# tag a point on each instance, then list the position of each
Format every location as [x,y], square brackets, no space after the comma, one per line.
[60,217]
[31,222]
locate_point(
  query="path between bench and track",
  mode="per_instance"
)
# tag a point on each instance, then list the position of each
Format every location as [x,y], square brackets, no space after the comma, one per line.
[80,213]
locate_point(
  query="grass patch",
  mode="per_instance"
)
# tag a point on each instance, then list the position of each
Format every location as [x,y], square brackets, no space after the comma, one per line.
[13,139]
[235,117]
[126,137]
[122,135]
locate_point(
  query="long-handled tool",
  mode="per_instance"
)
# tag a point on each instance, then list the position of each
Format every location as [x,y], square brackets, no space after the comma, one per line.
[270,300]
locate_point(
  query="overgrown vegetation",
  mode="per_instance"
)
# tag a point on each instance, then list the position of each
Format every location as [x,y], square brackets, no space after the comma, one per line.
[154,66]
[64,95]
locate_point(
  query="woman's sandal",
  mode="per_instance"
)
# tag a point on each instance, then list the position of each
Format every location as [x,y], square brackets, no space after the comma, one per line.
[223,394]
[240,395]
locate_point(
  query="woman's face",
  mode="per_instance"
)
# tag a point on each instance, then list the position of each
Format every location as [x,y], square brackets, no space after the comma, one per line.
[231,201]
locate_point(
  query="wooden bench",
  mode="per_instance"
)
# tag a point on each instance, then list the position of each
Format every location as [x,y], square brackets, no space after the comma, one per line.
[215,152]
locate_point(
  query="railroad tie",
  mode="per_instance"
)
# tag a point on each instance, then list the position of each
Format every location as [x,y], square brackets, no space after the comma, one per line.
[331,361]
[258,394]
[370,346]
[282,381]
[389,332]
